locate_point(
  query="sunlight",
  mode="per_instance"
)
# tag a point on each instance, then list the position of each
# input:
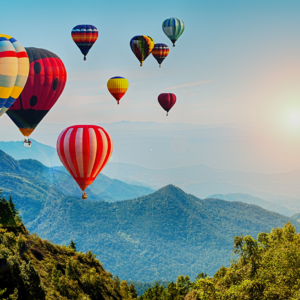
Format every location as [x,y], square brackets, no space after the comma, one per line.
[294,119]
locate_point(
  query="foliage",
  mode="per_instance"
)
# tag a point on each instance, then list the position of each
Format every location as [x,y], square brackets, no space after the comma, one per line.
[32,268]
[267,268]
[8,213]
[141,287]
[72,245]
[173,291]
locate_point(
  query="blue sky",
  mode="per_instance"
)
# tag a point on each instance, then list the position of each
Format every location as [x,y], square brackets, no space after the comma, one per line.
[237,62]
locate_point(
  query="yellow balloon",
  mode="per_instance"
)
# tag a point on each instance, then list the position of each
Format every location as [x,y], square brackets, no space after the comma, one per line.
[117,86]
[14,70]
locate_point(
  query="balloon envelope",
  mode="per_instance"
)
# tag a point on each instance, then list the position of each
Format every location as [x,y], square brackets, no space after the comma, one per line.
[141,46]
[117,86]
[84,150]
[14,69]
[84,37]
[160,52]
[46,81]
[167,101]
[173,28]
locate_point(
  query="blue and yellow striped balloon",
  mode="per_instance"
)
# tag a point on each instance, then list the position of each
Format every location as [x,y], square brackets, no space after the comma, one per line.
[14,70]
[173,28]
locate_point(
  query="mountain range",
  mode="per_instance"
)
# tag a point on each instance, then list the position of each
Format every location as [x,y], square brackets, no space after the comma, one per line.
[32,185]
[202,181]
[158,236]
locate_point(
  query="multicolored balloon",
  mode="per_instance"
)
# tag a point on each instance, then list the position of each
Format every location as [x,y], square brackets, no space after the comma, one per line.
[84,37]
[14,69]
[160,52]
[173,28]
[117,86]
[46,81]
[84,150]
[167,101]
[141,46]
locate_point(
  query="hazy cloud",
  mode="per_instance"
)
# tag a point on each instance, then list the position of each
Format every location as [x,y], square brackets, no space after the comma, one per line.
[189,84]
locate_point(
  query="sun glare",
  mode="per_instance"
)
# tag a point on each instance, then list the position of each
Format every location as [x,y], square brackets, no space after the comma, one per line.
[294,119]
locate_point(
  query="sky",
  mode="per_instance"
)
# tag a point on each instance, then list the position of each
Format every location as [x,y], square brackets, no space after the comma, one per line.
[236,62]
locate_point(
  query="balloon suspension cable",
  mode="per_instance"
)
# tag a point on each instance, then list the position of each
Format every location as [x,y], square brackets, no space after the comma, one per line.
[84,58]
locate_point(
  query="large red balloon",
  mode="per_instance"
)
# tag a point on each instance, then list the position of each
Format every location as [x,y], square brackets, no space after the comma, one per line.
[84,150]
[167,101]
[46,81]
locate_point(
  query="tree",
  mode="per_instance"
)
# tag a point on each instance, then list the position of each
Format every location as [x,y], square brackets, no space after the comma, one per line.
[72,245]
[267,268]
[12,207]
[200,276]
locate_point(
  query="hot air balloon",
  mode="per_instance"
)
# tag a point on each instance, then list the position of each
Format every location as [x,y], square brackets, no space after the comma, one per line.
[167,101]
[84,37]
[46,81]
[173,28]
[141,46]
[84,150]
[117,86]
[14,69]
[160,52]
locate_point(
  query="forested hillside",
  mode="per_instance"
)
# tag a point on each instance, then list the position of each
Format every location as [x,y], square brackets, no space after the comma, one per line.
[158,236]
[35,269]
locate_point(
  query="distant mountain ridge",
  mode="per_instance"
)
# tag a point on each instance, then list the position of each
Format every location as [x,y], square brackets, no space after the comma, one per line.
[200,180]
[33,185]
[256,201]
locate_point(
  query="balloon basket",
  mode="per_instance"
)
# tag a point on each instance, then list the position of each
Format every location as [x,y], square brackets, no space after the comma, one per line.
[160,66]
[84,196]
[84,58]
[27,143]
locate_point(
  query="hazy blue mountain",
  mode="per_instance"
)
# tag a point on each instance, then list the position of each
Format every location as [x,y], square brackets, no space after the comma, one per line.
[256,201]
[296,217]
[45,154]
[33,185]
[200,180]
[161,235]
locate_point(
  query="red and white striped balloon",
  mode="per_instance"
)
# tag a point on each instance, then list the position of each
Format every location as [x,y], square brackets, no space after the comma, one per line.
[84,150]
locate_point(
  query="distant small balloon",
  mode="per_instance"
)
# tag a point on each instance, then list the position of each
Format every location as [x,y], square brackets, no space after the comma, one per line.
[160,52]
[117,86]
[141,46]
[167,101]
[84,37]
[173,28]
